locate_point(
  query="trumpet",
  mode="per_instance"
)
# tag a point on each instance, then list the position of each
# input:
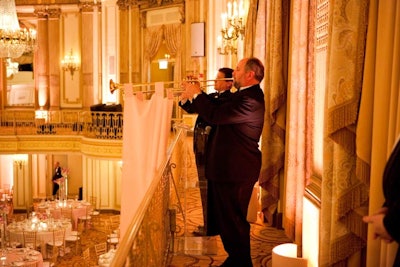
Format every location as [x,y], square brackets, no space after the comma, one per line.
[117,86]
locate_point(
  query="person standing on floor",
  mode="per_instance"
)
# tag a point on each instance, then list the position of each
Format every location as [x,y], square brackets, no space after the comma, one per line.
[233,156]
[202,132]
[56,178]
[386,221]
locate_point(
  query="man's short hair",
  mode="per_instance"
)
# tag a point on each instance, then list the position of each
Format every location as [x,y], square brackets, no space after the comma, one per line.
[228,72]
[254,64]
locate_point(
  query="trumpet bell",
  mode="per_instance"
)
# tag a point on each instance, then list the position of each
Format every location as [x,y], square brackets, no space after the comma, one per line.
[114,86]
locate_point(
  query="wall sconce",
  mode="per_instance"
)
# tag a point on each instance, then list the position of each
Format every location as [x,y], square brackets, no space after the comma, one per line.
[70,63]
[163,62]
[19,160]
[232,28]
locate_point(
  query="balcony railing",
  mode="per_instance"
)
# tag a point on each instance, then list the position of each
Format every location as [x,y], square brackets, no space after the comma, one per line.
[150,236]
[93,124]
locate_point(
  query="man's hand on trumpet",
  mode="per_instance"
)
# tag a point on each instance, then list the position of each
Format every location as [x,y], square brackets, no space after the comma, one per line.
[190,90]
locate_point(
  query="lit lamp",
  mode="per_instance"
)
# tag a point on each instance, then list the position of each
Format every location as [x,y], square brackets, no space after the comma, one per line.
[70,63]
[14,41]
[232,28]
[163,62]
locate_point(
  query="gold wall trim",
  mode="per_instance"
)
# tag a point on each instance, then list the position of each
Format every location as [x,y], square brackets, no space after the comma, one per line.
[65,144]
[101,148]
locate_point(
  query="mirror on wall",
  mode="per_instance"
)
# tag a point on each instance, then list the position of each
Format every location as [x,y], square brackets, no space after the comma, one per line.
[20,85]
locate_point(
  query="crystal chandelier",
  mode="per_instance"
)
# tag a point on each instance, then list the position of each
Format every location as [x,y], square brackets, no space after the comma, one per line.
[14,41]
[232,28]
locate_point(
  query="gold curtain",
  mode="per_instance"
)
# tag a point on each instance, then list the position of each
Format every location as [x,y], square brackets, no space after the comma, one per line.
[271,43]
[173,40]
[344,196]
[379,119]
[251,29]
[152,40]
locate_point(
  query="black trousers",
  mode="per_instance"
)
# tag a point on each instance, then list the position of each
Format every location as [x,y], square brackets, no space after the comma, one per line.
[231,202]
[55,188]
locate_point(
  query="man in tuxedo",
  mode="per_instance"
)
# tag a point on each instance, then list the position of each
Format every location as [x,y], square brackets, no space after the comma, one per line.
[202,131]
[57,175]
[233,156]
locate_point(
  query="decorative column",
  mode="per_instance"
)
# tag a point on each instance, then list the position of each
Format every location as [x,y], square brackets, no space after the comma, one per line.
[54,56]
[41,57]
[90,55]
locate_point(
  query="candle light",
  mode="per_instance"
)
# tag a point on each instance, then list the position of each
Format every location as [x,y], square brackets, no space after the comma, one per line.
[235,9]
[229,9]
[223,20]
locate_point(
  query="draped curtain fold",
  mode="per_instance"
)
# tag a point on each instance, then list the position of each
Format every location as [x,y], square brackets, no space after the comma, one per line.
[271,42]
[344,197]
[173,41]
[153,37]
[379,118]
[251,28]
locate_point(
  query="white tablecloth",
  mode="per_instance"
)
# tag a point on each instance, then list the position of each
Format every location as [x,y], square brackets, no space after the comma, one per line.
[20,257]
[15,231]
[78,209]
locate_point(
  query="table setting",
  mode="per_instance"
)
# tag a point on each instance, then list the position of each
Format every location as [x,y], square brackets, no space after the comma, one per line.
[54,209]
[20,257]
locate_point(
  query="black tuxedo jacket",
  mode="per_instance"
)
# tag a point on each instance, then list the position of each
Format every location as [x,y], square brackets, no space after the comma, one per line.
[202,126]
[232,151]
[391,191]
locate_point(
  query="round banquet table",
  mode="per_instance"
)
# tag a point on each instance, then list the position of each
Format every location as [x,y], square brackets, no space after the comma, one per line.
[15,231]
[20,257]
[79,209]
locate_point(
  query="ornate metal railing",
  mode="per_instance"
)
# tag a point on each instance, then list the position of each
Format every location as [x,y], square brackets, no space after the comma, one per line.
[93,124]
[150,236]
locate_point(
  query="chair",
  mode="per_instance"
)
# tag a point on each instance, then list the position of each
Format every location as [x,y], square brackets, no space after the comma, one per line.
[86,257]
[86,219]
[51,261]
[66,213]
[30,239]
[58,242]
[75,238]
[114,222]
[100,248]
[95,213]
[13,240]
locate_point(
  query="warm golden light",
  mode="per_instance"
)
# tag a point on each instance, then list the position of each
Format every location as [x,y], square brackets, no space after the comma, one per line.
[14,41]
[70,63]
[232,28]
[19,160]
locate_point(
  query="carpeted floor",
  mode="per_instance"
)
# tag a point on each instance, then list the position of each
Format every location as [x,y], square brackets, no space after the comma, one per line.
[208,251]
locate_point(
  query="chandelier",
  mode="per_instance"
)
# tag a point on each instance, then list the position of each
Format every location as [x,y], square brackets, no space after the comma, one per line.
[232,28]
[14,41]
[70,63]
